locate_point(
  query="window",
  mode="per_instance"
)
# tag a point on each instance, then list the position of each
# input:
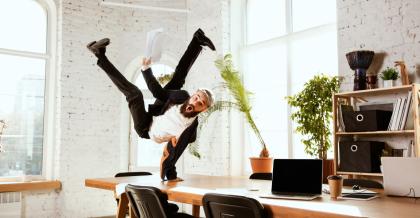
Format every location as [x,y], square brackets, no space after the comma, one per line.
[147,152]
[25,60]
[287,43]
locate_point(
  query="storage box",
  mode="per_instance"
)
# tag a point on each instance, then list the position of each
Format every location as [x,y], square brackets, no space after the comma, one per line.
[360,156]
[370,120]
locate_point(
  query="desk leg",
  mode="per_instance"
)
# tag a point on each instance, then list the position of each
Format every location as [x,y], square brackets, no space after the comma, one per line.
[122,206]
[196,210]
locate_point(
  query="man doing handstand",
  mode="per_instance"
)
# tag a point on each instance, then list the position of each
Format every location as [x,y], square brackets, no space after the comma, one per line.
[172,118]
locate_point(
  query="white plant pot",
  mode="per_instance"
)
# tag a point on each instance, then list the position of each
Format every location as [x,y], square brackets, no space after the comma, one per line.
[388,83]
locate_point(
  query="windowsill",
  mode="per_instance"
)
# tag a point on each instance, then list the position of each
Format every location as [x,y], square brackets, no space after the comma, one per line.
[30,186]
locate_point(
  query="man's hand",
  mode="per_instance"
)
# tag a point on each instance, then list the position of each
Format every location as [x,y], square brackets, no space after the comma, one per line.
[146,63]
[173,140]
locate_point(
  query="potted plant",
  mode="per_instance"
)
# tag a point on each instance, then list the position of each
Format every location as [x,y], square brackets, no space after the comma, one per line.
[241,102]
[389,75]
[313,116]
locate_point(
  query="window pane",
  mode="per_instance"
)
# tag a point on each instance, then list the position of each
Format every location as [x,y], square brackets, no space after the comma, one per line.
[306,61]
[266,76]
[307,14]
[148,151]
[22,82]
[28,28]
[265,19]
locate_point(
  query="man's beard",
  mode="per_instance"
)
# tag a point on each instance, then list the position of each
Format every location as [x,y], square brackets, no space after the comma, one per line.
[190,107]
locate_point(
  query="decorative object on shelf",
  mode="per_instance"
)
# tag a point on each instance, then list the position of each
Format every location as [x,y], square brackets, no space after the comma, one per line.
[360,61]
[241,102]
[2,127]
[313,116]
[389,75]
[360,156]
[371,81]
[403,72]
[335,183]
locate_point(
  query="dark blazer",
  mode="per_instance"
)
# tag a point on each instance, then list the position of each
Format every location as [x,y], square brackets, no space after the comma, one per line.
[166,98]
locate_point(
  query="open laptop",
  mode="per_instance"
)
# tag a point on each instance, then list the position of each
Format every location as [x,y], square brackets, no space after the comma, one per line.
[299,179]
[401,176]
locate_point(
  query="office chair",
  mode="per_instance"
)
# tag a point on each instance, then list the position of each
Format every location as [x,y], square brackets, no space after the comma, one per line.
[232,206]
[362,183]
[262,176]
[148,201]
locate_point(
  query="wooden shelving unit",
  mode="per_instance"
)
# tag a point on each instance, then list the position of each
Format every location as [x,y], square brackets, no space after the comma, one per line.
[353,97]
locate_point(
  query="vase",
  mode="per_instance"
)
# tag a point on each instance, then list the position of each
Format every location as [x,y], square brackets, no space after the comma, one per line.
[359,61]
[388,83]
[261,164]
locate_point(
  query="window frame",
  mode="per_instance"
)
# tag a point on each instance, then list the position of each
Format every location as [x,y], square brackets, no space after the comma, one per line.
[50,91]
[287,38]
[132,72]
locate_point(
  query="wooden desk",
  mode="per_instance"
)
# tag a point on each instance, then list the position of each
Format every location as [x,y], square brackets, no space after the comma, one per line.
[193,188]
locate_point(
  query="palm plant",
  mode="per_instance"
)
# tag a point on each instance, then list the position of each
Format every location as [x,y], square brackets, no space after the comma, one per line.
[241,101]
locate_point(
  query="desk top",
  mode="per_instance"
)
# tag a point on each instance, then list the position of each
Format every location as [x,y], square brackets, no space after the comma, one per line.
[194,187]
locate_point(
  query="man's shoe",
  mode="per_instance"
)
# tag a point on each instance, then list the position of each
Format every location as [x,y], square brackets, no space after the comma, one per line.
[203,39]
[98,47]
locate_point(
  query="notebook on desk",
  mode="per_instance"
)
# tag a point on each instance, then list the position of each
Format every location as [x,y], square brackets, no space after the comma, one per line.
[298,179]
[401,176]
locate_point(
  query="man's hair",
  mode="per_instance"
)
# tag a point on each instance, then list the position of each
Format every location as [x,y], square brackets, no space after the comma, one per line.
[209,96]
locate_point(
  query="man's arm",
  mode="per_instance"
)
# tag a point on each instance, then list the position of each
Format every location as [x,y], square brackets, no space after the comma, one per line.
[152,84]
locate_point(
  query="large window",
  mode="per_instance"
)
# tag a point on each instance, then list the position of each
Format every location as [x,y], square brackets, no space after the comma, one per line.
[24,61]
[148,152]
[286,43]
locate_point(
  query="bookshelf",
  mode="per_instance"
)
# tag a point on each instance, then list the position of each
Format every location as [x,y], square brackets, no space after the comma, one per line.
[354,98]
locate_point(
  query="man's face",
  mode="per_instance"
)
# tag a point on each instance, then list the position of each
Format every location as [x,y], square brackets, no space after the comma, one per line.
[197,103]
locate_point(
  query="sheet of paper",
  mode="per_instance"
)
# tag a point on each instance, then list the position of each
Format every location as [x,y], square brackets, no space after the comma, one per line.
[155,39]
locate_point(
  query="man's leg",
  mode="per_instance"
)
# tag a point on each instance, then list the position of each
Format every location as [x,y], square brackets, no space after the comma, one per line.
[134,97]
[188,59]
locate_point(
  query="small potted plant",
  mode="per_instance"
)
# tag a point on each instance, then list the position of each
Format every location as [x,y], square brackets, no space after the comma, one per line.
[241,102]
[313,117]
[389,75]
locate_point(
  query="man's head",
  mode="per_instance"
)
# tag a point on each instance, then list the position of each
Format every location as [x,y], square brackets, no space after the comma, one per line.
[200,101]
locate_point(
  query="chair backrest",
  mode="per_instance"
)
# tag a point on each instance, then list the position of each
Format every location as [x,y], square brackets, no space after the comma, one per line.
[262,176]
[147,201]
[363,183]
[231,206]
[122,174]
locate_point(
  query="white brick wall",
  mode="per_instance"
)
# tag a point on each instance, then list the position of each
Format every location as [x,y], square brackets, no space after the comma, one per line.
[89,120]
[388,27]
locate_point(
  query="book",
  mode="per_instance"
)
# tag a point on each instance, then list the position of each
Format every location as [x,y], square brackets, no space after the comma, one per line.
[400,113]
[407,110]
[394,115]
[154,43]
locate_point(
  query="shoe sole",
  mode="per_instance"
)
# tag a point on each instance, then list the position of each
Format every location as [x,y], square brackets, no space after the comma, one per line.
[165,151]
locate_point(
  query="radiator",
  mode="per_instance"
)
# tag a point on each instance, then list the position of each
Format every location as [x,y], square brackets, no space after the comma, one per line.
[10,204]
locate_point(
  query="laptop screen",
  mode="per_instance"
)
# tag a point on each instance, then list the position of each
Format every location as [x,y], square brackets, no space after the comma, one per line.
[302,176]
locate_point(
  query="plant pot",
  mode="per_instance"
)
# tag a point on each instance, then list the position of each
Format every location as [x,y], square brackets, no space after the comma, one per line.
[261,164]
[327,169]
[388,83]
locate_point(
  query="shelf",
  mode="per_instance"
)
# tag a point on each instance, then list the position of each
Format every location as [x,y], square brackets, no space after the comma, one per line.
[359,173]
[399,132]
[378,91]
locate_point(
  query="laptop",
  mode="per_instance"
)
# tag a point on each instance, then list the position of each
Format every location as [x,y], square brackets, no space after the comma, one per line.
[401,176]
[298,179]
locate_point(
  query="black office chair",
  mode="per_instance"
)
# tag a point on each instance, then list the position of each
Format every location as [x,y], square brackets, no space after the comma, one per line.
[148,201]
[362,183]
[232,206]
[132,174]
[262,176]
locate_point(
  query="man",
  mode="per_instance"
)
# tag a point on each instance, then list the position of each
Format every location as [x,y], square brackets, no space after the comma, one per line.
[172,118]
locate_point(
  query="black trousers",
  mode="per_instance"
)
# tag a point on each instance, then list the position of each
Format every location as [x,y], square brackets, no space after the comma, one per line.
[141,118]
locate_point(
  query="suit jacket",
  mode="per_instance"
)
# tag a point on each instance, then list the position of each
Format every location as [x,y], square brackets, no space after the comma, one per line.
[164,100]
